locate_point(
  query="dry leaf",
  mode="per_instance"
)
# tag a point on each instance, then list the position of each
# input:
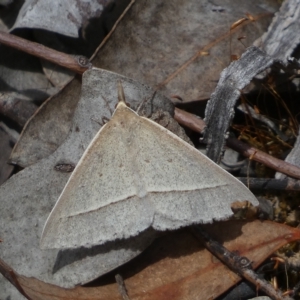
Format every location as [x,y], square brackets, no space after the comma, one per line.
[282,36]
[181,46]
[176,266]
[64,17]
[42,135]
[9,13]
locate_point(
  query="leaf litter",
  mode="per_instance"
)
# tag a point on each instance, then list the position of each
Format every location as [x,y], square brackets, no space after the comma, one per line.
[176,266]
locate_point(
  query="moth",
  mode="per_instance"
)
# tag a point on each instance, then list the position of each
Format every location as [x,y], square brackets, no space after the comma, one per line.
[136,174]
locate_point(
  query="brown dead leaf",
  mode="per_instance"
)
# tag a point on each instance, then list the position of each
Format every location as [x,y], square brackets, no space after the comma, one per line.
[176,266]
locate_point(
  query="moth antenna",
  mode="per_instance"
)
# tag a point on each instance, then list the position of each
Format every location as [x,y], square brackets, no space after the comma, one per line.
[121,95]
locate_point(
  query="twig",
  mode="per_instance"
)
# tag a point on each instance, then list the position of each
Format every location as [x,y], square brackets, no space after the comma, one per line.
[287,184]
[238,264]
[264,158]
[122,287]
[76,63]
[198,125]
[189,120]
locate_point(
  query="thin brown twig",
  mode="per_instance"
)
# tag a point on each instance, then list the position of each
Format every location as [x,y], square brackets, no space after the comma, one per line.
[191,121]
[76,63]
[238,264]
[264,158]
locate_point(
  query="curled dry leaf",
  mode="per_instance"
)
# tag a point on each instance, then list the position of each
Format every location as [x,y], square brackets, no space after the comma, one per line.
[175,266]
[219,110]
[282,37]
